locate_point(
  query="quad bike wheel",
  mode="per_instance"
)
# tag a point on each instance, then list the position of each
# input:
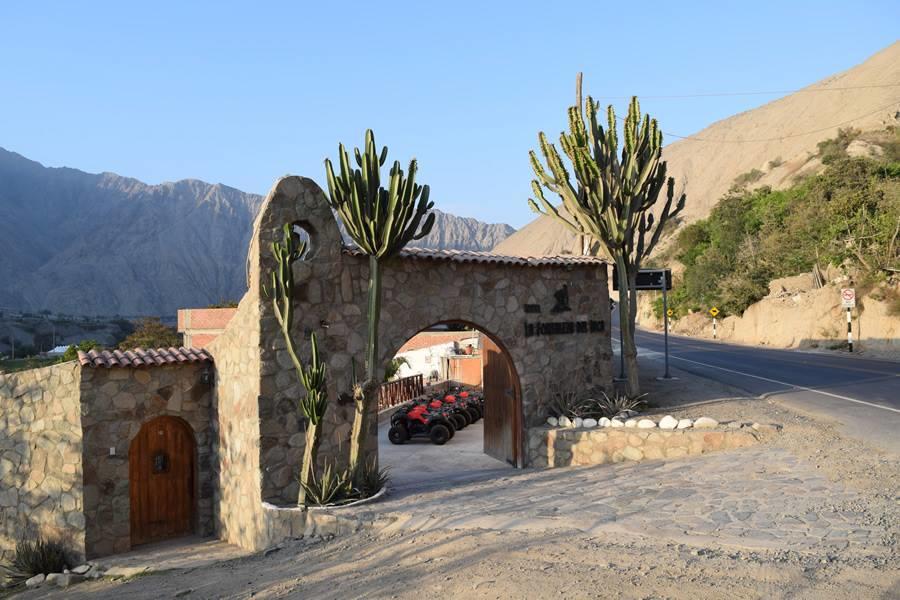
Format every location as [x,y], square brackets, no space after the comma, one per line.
[439,435]
[465,414]
[398,434]
[474,414]
[459,421]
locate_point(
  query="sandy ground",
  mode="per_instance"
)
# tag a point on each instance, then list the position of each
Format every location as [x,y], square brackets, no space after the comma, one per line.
[560,560]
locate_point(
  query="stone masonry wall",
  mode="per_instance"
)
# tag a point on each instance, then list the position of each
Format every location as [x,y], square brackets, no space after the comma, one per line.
[550,447]
[238,506]
[417,294]
[40,456]
[115,403]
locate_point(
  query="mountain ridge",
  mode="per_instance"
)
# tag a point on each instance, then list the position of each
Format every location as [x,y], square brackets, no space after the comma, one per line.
[106,244]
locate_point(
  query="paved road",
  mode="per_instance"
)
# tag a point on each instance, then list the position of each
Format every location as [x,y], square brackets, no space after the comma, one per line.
[861,394]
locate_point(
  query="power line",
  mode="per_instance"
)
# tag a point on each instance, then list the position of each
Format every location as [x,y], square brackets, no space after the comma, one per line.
[760,93]
[775,139]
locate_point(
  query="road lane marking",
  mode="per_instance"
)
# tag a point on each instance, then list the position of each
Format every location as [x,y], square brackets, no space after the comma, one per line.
[791,385]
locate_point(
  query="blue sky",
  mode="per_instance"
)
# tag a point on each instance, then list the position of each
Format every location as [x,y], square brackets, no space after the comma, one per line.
[241,93]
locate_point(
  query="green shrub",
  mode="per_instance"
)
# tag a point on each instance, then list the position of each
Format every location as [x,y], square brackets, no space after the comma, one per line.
[745,179]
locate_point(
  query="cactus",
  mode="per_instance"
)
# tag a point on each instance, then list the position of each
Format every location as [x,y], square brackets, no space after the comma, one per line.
[311,376]
[381,221]
[612,198]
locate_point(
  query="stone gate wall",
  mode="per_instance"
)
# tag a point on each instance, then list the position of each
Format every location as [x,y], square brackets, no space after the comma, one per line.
[239,513]
[40,457]
[418,292]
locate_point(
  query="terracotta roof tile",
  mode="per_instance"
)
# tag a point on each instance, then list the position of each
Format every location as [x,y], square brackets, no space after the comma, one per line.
[143,358]
[470,256]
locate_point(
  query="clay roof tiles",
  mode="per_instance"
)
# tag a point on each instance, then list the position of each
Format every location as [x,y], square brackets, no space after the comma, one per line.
[143,358]
[471,256]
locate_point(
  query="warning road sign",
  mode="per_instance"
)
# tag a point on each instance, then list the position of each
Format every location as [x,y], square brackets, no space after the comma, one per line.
[848,297]
[714,311]
[670,312]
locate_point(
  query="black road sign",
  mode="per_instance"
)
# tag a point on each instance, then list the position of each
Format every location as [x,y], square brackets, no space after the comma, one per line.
[647,279]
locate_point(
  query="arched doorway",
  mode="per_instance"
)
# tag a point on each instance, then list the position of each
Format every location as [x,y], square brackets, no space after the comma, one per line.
[451,357]
[161,473]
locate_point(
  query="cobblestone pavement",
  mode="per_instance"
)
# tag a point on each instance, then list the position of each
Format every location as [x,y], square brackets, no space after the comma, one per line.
[754,498]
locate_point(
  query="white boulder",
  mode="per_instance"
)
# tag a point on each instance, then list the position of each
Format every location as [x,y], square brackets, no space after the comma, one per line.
[552,421]
[590,423]
[705,423]
[631,423]
[616,423]
[603,422]
[565,422]
[35,581]
[646,424]
[684,424]
[668,422]
[577,422]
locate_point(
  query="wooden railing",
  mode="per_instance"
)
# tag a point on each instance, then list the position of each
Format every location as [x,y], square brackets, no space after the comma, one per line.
[399,391]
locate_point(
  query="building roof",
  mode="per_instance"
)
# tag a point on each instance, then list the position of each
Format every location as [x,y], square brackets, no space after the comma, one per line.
[143,358]
[470,256]
[427,339]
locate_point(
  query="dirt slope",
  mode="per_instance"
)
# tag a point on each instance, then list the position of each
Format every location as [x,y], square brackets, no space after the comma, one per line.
[787,129]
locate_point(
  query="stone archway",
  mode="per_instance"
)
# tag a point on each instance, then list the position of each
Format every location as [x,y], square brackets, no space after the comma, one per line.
[552,345]
[162,471]
[503,423]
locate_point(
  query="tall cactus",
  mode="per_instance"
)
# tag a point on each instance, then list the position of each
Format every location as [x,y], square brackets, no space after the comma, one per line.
[312,376]
[381,221]
[612,199]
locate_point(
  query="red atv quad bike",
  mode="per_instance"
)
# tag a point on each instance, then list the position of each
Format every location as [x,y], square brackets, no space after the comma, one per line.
[419,421]
[461,407]
[433,406]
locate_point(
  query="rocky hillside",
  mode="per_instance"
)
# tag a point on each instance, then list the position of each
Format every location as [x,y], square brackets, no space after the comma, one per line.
[101,244]
[464,233]
[771,145]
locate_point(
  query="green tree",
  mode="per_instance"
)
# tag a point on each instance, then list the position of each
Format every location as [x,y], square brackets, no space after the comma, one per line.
[393,367]
[612,199]
[71,352]
[381,221]
[151,332]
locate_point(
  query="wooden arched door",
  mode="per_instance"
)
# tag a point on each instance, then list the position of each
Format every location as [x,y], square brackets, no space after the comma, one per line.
[161,480]
[502,405]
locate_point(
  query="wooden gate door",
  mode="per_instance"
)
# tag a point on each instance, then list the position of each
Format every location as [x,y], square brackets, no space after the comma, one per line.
[161,480]
[502,417]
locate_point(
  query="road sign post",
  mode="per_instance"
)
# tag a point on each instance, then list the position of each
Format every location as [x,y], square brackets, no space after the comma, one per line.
[848,301]
[666,331]
[647,279]
[714,311]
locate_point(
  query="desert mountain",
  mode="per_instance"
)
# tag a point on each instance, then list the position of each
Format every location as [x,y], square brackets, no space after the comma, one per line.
[101,244]
[777,139]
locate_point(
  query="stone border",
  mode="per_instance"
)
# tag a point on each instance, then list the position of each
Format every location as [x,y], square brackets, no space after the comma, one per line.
[359,502]
[558,447]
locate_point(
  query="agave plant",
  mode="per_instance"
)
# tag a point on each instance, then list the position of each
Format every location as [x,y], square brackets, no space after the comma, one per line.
[611,406]
[332,486]
[34,556]
[372,479]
